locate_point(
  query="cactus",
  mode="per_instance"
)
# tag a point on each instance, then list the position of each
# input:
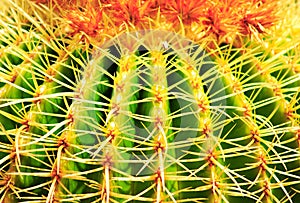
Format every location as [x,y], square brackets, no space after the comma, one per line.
[149,101]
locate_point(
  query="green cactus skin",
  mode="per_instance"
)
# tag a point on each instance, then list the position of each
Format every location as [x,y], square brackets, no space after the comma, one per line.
[141,121]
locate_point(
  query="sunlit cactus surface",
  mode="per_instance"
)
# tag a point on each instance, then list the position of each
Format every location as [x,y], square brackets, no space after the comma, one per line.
[149,101]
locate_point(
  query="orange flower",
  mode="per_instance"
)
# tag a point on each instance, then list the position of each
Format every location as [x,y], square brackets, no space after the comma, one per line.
[227,19]
[87,20]
[83,15]
[220,19]
[187,11]
[130,11]
[258,17]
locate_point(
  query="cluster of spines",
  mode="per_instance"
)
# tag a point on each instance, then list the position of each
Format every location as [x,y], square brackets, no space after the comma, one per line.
[62,164]
[265,113]
[252,131]
[221,20]
[36,86]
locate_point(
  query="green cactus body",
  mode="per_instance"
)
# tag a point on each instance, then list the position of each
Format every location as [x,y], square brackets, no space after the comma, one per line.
[149,116]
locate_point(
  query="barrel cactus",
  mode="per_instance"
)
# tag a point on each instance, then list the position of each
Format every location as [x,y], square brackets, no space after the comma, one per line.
[149,101]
